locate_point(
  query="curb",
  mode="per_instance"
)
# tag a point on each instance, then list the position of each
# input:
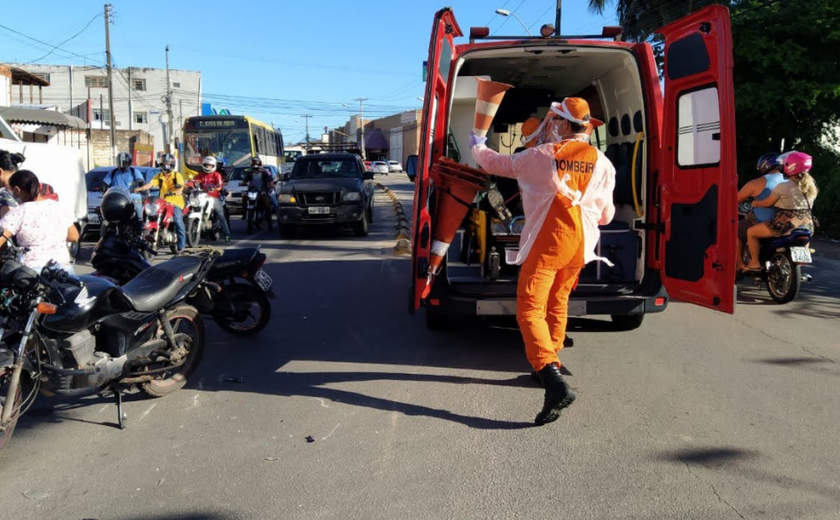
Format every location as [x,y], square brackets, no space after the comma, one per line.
[403,227]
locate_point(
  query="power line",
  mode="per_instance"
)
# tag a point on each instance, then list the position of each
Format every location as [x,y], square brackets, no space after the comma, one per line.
[54,47]
[65,41]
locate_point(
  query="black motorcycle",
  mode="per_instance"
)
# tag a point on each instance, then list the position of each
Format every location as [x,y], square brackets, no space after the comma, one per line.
[237,299]
[80,336]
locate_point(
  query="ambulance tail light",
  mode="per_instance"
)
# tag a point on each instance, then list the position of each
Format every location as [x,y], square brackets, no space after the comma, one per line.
[659,302]
[611,31]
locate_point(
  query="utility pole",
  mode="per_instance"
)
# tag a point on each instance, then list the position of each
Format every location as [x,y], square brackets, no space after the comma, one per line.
[362,125]
[109,9]
[307,117]
[557,18]
[168,99]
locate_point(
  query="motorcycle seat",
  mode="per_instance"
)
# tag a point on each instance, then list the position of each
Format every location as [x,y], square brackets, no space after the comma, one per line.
[156,286]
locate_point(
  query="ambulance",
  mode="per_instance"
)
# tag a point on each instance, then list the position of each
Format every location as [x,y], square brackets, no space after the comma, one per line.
[671,140]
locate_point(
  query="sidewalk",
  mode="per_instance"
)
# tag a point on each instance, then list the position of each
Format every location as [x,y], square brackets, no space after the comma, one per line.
[826,248]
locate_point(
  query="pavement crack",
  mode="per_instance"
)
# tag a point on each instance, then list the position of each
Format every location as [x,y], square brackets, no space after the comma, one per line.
[714,490]
[818,355]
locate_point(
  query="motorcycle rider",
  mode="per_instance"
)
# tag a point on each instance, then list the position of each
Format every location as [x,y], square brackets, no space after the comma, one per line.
[171,184]
[770,169]
[261,180]
[124,176]
[211,182]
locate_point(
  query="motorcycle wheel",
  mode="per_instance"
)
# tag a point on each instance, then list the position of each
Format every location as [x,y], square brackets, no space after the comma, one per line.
[184,319]
[252,310]
[194,233]
[5,378]
[149,238]
[783,278]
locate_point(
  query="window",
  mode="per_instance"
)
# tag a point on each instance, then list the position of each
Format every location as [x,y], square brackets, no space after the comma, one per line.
[176,85]
[43,75]
[141,117]
[138,84]
[96,81]
[698,128]
[101,114]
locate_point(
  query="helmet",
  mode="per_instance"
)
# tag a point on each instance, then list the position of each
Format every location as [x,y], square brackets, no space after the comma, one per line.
[167,162]
[794,163]
[256,162]
[767,162]
[117,206]
[123,160]
[209,164]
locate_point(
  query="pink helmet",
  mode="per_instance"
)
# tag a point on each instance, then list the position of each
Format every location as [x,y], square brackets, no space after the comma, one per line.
[794,163]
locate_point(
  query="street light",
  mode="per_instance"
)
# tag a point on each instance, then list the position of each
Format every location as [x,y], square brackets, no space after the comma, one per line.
[505,12]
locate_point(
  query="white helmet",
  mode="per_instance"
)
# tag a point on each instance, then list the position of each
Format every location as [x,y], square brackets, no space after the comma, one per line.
[209,164]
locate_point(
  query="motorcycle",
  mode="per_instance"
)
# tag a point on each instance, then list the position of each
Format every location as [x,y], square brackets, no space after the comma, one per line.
[238,299]
[781,260]
[81,336]
[258,209]
[159,225]
[201,219]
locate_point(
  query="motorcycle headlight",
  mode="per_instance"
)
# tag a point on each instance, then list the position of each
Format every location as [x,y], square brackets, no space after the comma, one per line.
[150,209]
[352,196]
[286,198]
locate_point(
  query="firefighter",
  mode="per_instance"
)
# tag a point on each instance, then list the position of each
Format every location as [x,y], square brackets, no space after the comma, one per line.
[567,187]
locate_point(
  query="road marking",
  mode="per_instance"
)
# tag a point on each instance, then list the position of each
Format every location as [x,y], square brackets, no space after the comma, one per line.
[332,432]
[323,404]
[144,414]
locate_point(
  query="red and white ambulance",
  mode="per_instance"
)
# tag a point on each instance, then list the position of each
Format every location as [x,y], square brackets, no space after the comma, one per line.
[674,154]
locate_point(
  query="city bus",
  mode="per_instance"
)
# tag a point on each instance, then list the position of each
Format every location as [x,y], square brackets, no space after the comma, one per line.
[235,139]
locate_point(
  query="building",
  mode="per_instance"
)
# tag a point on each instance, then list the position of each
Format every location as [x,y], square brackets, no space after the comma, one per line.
[391,138]
[140,114]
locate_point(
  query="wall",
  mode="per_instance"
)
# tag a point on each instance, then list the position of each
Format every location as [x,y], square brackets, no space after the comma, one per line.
[5,85]
[128,103]
[101,144]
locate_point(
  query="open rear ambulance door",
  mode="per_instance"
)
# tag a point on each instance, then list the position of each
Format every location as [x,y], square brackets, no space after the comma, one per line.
[699,181]
[432,142]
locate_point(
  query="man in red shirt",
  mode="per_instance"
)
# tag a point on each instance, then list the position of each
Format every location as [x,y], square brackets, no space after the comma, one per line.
[211,182]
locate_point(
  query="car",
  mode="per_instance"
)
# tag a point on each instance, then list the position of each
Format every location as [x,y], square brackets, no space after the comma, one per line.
[379,167]
[326,189]
[236,189]
[395,167]
[93,180]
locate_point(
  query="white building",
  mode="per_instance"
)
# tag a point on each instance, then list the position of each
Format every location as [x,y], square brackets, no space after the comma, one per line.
[139,97]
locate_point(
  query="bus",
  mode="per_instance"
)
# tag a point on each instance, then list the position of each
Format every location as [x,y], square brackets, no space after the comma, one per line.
[235,139]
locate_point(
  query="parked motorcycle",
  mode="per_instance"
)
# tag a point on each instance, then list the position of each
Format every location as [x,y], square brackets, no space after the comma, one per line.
[781,261]
[200,220]
[80,336]
[237,300]
[159,225]
[258,209]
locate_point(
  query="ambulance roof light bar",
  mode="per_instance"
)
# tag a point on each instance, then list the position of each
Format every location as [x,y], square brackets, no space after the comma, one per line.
[547,32]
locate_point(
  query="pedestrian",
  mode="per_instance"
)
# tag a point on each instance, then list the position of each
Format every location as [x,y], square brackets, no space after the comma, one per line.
[9,164]
[39,224]
[567,187]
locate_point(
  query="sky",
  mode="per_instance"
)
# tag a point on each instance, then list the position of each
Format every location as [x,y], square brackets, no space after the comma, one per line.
[274,59]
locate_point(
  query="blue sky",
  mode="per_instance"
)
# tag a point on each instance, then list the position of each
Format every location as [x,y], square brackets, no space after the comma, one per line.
[274,59]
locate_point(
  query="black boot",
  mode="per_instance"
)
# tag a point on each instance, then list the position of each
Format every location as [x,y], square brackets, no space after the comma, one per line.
[558,395]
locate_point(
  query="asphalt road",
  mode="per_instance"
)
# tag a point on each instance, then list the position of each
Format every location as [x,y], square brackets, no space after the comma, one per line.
[695,415]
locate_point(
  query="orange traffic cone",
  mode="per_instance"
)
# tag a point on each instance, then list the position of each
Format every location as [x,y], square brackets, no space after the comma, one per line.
[488,98]
[458,185]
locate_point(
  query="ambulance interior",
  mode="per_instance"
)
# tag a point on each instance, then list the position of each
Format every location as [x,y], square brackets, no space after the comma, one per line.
[609,80]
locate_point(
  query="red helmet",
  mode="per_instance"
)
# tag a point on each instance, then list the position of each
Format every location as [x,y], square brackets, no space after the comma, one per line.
[794,163]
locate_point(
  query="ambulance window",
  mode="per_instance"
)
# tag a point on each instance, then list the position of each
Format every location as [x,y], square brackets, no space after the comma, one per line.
[698,122]
[445,63]
[687,57]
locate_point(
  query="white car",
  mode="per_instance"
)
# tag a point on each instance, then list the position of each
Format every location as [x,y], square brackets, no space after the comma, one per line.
[379,167]
[394,167]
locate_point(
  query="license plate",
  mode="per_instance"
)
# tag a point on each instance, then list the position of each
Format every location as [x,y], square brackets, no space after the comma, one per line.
[263,280]
[319,211]
[93,218]
[800,255]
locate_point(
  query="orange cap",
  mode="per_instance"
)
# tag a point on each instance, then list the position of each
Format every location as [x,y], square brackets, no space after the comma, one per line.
[530,130]
[576,110]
